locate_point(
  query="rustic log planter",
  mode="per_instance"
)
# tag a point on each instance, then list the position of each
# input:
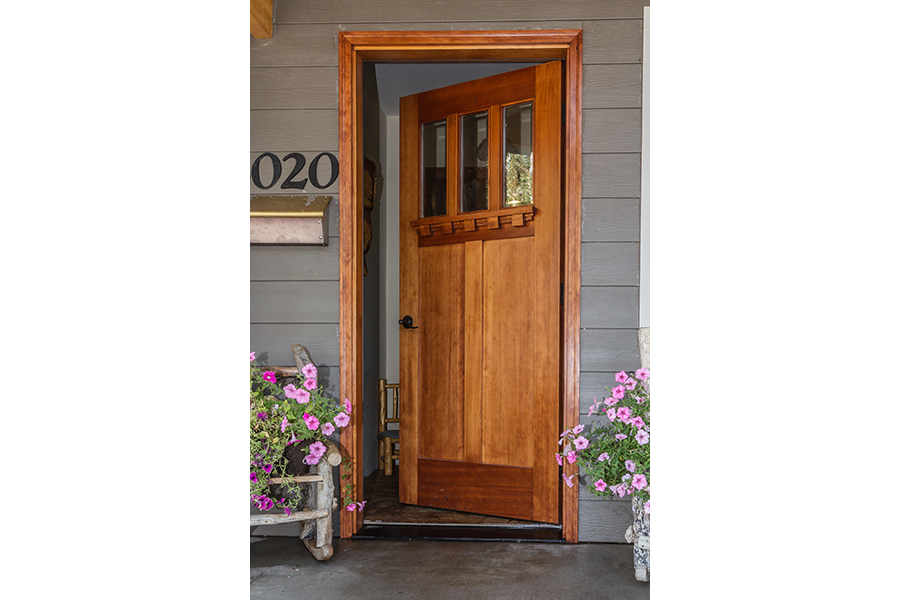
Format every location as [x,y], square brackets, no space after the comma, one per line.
[316,529]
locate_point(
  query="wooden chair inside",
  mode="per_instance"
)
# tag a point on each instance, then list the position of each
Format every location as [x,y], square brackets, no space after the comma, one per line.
[388,437]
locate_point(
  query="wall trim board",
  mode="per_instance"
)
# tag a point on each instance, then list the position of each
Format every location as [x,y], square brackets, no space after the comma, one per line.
[354,47]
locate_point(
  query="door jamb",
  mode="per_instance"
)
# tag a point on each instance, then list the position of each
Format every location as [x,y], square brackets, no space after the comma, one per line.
[529,45]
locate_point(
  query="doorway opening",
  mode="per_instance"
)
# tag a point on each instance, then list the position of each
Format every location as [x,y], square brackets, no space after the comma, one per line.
[367,340]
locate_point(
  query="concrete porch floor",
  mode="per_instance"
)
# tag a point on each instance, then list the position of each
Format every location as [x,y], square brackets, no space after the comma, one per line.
[281,567]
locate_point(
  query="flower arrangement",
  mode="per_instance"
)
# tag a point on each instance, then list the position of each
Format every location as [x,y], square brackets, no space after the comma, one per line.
[281,417]
[615,454]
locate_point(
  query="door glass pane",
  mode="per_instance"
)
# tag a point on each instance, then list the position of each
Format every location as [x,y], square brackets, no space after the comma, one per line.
[517,151]
[474,161]
[434,169]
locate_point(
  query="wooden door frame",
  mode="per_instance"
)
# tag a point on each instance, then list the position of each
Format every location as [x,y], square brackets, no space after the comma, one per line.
[529,45]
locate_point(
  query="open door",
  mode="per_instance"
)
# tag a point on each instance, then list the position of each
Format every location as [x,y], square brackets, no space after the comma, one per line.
[480,279]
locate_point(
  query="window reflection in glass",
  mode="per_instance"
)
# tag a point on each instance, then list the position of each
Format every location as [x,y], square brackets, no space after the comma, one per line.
[517,151]
[474,161]
[434,169]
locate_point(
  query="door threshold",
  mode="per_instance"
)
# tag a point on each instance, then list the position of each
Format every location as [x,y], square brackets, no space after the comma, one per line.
[539,532]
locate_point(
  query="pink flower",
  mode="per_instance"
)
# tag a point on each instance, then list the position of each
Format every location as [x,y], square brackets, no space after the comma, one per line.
[559,459]
[361,505]
[298,394]
[637,422]
[629,466]
[312,423]
[327,428]
[351,507]
[347,406]
[642,374]
[600,485]
[592,409]
[639,481]
[269,376]
[312,460]
[342,420]
[611,413]
[630,384]
[252,356]
[568,480]
[309,370]
[603,457]
[647,507]
[611,401]
[621,376]
[253,477]
[638,399]
[581,442]
[621,490]
[284,424]
[621,436]
[624,413]
[317,449]
[310,383]
[571,457]
[618,392]
[578,429]
[287,510]
[642,436]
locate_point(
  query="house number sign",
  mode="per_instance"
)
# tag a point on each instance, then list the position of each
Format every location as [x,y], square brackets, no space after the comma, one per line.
[267,171]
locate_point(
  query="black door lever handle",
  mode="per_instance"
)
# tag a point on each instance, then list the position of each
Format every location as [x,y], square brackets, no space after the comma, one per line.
[407,322]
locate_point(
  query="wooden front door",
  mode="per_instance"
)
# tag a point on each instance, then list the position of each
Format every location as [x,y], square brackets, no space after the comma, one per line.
[480,264]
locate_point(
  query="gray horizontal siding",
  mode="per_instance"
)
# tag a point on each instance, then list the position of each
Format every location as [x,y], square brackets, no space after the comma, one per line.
[612,130]
[291,130]
[292,263]
[274,341]
[611,175]
[595,385]
[609,350]
[609,307]
[612,86]
[610,263]
[613,41]
[604,521]
[294,302]
[421,11]
[294,87]
[611,220]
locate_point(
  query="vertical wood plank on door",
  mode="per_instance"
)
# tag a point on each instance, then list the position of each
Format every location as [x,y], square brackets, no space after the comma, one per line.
[474,351]
[441,329]
[409,298]
[508,349]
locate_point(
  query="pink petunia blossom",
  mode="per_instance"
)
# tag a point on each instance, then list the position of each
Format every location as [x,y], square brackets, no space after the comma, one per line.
[639,481]
[253,477]
[578,429]
[647,507]
[630,384]
[269,376]
[571,457]
[581,442]
[327,428]
[611,401]
[618,392]
[642,436]
[568,480]
[600,485]
[342,420]
[592,409]
[252,356]
[629,466]
[637,422]
[611,413]
[284,424]
[287,510]
[310,384]
[621,376]
[312,423]
[351,507]
[268,468]
[309,370]
[361,506]
[312,460]
[624,413]
[642,374]
[317,449]
[347,406]
[621,490]
[602,457]
[621,436]
[559,459]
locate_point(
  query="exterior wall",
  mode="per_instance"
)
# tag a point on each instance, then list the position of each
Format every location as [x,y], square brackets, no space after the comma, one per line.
[293,85]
